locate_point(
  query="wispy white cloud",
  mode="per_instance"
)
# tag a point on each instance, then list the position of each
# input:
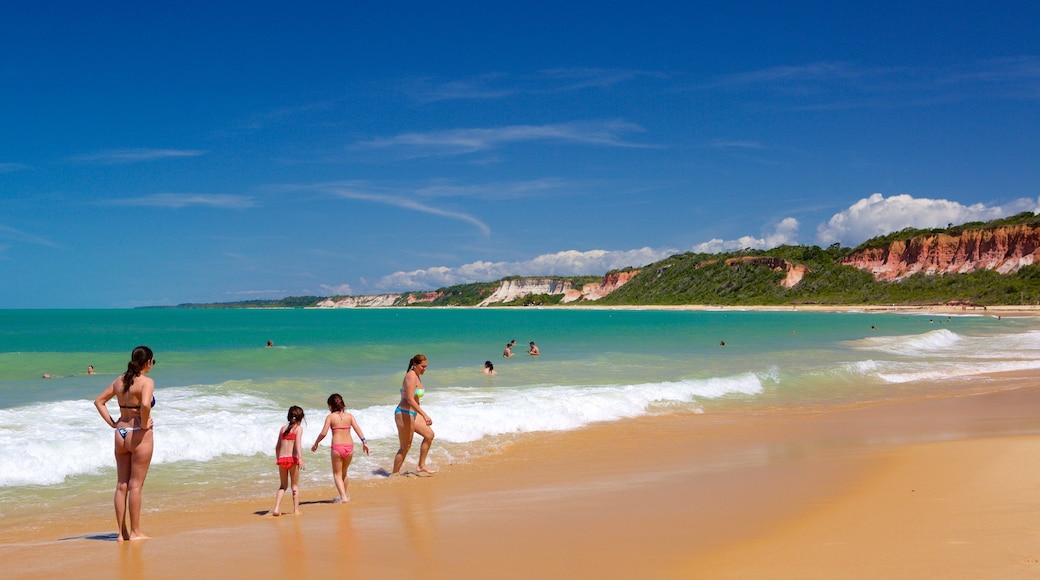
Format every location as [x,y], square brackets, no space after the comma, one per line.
[780,75]
[499,85]
[878,215]
[785,232]
[348,192]
[998,71]
[843,85]
[9,167]
[502,190]
[462,141]
[181,200]
[736,145]
[565,263]
[9,233]
[126,156]
[276,293]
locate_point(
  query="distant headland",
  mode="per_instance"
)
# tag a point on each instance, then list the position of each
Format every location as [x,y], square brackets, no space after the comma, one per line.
[972,265]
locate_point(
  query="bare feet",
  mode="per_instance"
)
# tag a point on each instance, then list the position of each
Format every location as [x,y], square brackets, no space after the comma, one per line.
[138,536]
[425,470]
[275,514]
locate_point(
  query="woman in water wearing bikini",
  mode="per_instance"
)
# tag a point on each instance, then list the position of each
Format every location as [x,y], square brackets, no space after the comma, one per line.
[342,443]
[132,434]
[407,416]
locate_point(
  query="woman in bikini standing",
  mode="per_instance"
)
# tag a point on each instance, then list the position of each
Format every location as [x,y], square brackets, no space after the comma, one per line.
[342,443]
[132,435]
[407,416]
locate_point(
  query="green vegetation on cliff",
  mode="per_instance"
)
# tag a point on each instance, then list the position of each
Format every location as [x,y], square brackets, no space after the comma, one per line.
[1024,218]
[693,278]
[706,279]
[287,302]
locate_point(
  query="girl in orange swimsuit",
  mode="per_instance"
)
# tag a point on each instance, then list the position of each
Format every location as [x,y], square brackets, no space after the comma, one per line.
[288,449]
[340,422]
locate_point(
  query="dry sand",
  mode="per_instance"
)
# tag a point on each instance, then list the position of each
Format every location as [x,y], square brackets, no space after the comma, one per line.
[940,488]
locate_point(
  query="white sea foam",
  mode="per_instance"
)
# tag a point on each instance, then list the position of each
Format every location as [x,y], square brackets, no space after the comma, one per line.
[201,423]
[955,370]
[925,344]
[942,354]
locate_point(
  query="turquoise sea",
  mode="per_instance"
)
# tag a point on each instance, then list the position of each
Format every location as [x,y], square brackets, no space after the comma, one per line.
[221,395]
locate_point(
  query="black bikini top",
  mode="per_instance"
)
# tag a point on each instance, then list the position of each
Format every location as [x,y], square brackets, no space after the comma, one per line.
[138,407]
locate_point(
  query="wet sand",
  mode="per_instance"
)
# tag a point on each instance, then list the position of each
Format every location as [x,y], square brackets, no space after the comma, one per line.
[936,488]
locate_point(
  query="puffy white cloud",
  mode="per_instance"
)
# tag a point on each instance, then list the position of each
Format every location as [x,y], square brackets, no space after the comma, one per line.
[875,215]
[786,232]
[566,263]
[339,290]
[879,215]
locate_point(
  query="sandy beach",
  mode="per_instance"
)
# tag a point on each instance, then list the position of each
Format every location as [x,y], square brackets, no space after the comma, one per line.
[933,488]
[929,309]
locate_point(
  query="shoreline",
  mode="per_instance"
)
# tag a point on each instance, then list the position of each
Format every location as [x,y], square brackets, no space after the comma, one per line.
[763,494]
[935,309]
[1008,310]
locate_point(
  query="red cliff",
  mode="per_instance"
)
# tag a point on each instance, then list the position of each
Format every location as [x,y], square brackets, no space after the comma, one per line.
[795,272]
[610,282]
[1004,249]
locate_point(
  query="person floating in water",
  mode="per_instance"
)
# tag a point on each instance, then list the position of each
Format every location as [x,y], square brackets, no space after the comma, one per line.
[508,352]
[489,369]
[532,350]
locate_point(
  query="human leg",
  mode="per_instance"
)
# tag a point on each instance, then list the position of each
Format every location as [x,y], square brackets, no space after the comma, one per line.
[294,475]
[283,475]
[338,472]
[122,484]
[405,432]
[426,432]
[140,461]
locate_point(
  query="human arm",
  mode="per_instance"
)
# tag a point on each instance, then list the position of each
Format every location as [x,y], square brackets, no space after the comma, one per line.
[99,404]
[298,445]
[324,431]
[357,429]
[147,393]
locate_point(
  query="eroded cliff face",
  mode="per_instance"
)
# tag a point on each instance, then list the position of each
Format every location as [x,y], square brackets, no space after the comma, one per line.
[1004,250]
[610,282]
[507,291]
[510,290]
[380,300]
[795,272]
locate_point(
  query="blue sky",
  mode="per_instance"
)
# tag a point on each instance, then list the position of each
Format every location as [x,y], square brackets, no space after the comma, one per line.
[212,152]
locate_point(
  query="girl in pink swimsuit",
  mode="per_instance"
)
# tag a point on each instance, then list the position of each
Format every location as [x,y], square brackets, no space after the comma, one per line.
[288,449]
[340,422]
